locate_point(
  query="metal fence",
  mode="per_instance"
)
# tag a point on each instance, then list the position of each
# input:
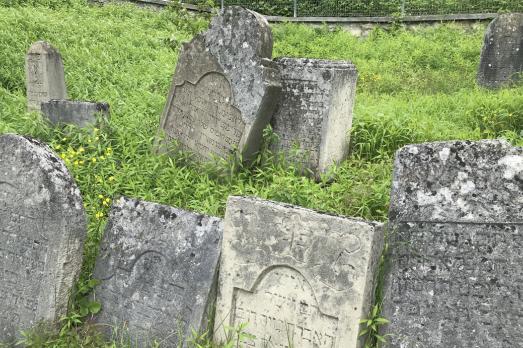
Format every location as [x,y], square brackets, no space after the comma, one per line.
[371,8]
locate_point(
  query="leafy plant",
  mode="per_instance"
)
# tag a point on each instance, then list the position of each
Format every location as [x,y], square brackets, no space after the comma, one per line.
[371,328]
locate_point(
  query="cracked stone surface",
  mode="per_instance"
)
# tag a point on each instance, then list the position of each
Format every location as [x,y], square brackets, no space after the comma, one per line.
[158,269]
[42,227]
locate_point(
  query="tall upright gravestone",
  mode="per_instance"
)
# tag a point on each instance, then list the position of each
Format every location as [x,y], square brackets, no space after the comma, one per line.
[42,228]
[158,269]
[225,87]
[502,53]
[45,78]
[296,277]
[456,237]
[315,112]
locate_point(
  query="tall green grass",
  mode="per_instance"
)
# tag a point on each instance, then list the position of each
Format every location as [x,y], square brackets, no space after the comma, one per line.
[413,87]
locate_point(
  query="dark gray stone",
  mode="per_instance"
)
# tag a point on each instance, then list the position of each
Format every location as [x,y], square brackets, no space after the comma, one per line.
[502,53]
[45,78]
[315,111]
[42,228]
[295,275]
[158,269]
[225,87]
[79,113]
[456,237]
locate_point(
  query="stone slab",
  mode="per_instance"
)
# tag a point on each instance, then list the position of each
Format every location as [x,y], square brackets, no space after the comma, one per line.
[295,275]
[45,78]
[315,112]
[79,113]
[502,53]
[42,228]
[158,270]
[225,88]
[455,244]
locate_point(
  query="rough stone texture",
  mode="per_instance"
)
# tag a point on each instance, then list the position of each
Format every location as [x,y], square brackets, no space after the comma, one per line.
[79,113]
[455,246]
[225,87]
[295,275]
[44,75]
[42,228]
[502,53]
[158,267]
[315,111]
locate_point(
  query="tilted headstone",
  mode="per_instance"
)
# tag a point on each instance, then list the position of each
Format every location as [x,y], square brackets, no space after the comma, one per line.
[79,113]
[158,269]
[502,53]
[455,246]
[42,228]
[297,277]
[225,87]
[315,111]
[45,78]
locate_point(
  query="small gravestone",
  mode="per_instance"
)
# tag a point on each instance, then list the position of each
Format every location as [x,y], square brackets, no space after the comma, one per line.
[502,53]
[456,237]
[42,228]
[298,278]
[158,268]
[315,112]
[44,75]
[225,88]
[79,113]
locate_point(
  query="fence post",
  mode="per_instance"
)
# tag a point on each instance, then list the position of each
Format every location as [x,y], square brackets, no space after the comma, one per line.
[295,8]
[402,8]
[221,4]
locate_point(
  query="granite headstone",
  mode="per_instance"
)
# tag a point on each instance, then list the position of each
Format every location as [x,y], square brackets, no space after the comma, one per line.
[225,88]
[158,269]
[45,78]
[42,228]
[297,277]
[79,113]
[456,219]
[502,54]
[315,112]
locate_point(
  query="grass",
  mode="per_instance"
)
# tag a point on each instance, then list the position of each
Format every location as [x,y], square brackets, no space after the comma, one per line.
[413,87]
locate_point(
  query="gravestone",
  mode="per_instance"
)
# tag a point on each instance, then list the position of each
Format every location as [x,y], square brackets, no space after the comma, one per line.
[158,269]
[294,275]
[44,75]
[315,112]
[225,88]
[455,246]
[79,113]
[42,228]
[502,53]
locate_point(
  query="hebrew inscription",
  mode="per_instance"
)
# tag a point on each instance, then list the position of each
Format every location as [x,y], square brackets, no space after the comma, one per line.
[295,274]
[41,231]
[203,119]
[157,266]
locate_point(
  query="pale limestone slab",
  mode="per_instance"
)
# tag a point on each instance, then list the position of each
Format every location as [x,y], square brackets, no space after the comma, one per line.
[295,275]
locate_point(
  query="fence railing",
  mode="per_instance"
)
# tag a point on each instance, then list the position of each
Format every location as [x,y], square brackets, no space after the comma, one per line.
[371,8]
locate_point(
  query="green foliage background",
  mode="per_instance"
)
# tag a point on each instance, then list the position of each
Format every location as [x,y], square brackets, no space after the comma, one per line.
[413,87]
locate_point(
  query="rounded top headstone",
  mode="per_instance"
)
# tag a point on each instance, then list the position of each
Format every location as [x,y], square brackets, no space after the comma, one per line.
[42,47]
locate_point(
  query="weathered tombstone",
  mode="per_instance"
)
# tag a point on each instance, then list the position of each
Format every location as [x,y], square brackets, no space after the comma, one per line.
[44,75]
[297,277]
[79,113]
[315,111]
[225,87]
[456,237]
[158,269]
[42,228]
[502,53]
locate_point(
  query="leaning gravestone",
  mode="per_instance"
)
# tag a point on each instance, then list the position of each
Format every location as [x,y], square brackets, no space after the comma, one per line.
[502,53]
[158,269]
[44,75]
[456,237]
[225,87]
[315,112]
[297,277]
[42,228]
[79,113]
